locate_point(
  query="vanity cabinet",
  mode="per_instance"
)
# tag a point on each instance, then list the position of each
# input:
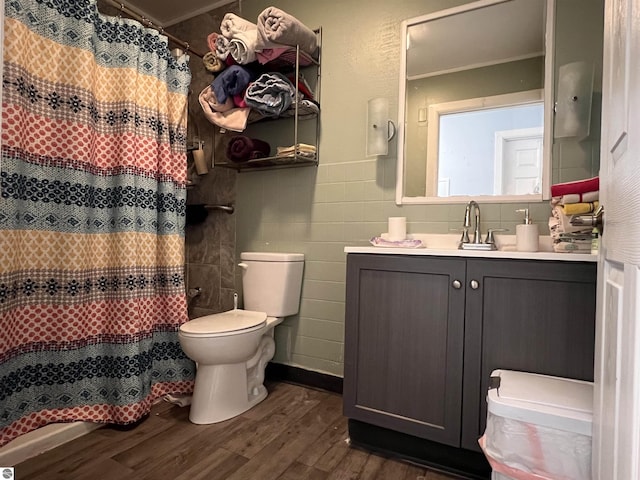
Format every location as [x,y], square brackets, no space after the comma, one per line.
[423,333]
[403,344]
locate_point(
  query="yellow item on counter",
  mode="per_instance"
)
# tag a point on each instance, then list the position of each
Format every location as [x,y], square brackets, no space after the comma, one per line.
[580,208]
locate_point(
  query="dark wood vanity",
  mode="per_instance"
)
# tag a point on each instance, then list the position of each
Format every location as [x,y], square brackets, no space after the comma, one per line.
[424,332]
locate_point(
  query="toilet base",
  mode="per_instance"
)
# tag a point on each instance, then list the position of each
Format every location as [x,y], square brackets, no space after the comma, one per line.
[222,392]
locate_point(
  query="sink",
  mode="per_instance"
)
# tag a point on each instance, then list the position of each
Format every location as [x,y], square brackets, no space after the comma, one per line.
[437,241]
[447,241]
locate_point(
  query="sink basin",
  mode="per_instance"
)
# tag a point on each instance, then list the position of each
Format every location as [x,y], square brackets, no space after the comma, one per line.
[450,241]
[437,241]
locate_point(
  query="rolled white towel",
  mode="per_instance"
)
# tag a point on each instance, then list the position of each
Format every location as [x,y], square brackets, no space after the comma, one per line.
[232,24]
[242,47]
[576,198]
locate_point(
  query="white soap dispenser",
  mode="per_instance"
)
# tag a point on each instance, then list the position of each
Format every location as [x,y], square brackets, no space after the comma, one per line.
[526,234]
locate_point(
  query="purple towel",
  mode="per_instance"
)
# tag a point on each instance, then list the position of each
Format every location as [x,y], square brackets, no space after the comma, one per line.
[231,81]
[242,148]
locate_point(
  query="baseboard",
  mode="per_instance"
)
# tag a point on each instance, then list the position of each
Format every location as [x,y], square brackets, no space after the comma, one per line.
[43,439]
[308,378]
[457,461]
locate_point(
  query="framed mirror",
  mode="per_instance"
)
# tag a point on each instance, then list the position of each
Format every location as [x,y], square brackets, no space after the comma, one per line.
[475,106]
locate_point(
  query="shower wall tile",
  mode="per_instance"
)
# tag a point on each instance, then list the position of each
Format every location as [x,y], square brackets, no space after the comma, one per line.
[228,266]
[210,245]
[207,277]
[203,241]
[195,312]
[226,298]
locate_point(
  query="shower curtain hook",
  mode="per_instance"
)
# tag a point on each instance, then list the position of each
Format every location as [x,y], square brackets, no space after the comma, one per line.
[121,10]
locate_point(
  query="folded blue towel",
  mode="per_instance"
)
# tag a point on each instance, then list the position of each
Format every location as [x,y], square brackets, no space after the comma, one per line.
[271,94]
[231,81]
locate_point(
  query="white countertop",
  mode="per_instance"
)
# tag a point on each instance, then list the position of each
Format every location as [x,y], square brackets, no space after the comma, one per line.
[444,246]
[564,257]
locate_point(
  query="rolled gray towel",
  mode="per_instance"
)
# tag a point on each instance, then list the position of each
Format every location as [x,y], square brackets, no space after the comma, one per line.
[271,94]
[277,27]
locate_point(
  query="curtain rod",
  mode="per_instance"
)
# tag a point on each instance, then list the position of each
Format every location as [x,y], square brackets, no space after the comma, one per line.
[148,23]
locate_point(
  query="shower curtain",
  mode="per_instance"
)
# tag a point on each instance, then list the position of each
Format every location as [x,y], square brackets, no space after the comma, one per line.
[92,208]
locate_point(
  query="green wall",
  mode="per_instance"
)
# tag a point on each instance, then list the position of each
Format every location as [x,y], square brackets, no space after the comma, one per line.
[347,199]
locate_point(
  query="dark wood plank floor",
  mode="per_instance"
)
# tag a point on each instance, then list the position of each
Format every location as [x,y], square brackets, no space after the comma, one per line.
[296,433]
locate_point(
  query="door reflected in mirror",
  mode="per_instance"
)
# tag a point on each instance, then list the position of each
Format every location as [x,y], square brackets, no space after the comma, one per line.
[473,117]
[486,146]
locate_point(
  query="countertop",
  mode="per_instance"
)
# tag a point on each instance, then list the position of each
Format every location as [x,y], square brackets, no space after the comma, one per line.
[445,246]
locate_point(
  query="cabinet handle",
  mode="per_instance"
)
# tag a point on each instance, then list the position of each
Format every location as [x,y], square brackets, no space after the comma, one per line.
[456,284]
[474,284]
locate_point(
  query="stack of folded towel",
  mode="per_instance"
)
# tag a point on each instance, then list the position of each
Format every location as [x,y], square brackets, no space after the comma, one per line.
[568,199]
[300,150]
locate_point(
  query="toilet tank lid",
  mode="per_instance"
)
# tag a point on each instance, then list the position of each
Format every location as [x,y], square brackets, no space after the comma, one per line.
[562,403]
[230,321]
[272,256]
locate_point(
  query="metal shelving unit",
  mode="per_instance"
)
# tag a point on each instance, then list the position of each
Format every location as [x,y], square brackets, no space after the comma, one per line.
[297,112]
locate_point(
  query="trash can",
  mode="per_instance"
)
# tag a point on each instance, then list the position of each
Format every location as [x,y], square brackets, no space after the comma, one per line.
[538,427]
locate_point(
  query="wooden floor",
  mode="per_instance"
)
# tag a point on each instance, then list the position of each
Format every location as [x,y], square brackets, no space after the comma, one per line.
[297,433]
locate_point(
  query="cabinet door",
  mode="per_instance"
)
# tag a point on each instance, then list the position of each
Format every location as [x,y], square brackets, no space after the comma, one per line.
[529,316]
[403,344]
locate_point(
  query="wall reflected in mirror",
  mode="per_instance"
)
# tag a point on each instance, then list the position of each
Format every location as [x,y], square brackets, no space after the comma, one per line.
[489,151]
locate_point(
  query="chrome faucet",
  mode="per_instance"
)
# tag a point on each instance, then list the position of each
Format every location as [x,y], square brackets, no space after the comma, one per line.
[477,238]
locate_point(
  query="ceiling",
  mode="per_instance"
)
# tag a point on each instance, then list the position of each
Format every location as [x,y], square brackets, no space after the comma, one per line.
[168,12]
[484,36]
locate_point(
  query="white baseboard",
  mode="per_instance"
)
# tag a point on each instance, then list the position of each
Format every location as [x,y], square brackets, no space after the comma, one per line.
[43,439]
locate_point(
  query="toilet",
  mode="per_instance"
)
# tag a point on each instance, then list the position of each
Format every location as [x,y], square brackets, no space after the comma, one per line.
[231,349]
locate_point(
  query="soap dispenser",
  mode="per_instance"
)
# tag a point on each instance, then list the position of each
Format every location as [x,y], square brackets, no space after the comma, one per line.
[526,234]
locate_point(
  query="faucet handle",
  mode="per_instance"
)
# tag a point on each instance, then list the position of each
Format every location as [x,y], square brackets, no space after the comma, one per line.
[465,234]
[490,233]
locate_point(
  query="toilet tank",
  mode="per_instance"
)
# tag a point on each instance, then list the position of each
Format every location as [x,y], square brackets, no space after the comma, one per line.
[271,282]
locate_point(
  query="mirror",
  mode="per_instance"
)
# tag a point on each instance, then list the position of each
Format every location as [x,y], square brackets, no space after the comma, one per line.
[474,104]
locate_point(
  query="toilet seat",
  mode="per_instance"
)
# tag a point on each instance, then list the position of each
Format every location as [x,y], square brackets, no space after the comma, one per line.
[232,322]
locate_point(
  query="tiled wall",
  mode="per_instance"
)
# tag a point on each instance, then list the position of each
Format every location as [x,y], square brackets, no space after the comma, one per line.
[319,212]
[210,246]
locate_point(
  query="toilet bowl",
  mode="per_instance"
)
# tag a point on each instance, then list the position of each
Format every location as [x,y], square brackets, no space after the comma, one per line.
[231,349]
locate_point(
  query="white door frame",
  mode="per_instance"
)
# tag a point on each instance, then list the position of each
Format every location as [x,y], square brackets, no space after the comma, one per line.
[616,422]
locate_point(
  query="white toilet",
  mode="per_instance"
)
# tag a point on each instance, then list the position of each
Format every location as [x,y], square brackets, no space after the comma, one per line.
[232,348]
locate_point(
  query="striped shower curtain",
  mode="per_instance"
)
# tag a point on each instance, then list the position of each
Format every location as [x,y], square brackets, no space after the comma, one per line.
[92,205]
